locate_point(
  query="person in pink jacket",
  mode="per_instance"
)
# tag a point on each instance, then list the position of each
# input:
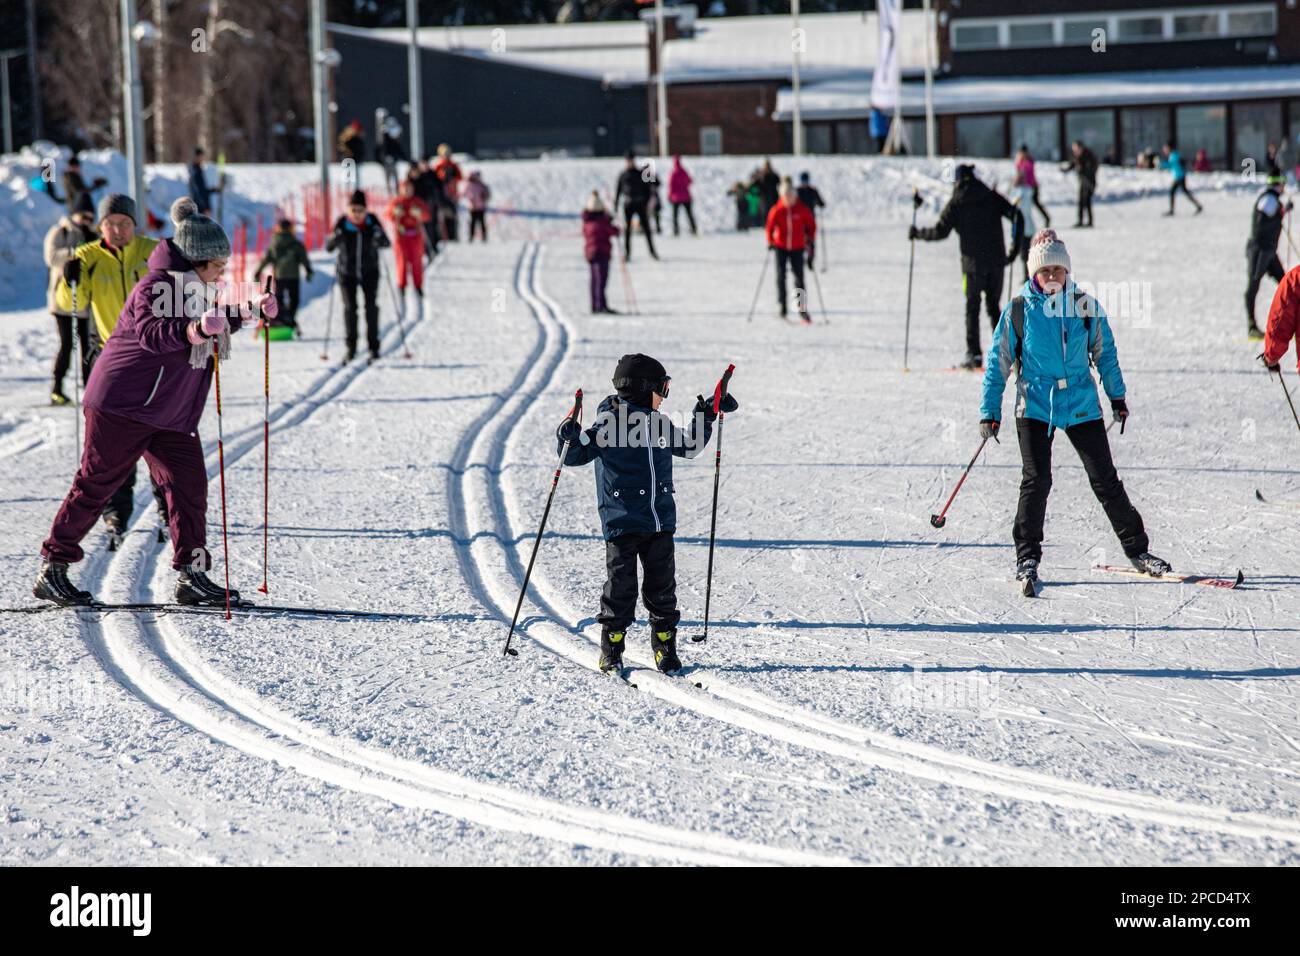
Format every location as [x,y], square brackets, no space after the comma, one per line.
[476,195]
[679,194]
[598,230]
[1026,177]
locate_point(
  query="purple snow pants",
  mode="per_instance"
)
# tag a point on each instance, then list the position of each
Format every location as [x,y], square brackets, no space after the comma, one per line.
[599,276]
[113,445]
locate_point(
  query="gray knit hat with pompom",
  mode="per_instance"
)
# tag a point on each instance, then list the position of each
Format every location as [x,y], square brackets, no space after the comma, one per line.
[198,238]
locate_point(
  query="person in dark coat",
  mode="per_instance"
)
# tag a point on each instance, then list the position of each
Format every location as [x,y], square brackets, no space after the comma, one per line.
[74,186]
[811,197]
[769,187]
[1084,162]
[1261,248]
[634,190]
[429,188]
[976,212]
[200,191]
[598,232]
[633,445]
[286,256]
[145,398]
[61,244]
[358,237]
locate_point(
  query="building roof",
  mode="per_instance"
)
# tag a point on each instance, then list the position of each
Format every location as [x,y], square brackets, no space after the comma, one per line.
[849,98]
[723,49]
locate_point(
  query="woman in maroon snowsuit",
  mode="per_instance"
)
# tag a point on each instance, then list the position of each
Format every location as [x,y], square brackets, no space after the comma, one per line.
[145,398]
[597,231]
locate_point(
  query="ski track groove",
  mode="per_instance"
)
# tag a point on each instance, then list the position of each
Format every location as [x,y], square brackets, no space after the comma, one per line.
[744,708]
[156,664]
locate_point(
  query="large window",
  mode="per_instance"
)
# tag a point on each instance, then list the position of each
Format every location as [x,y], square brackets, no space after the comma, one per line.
[981,136]
[1251,23]
[1195,26]
[974,36]
[1140,129]
[1254,126]
[1041,132]
[1034,33]
[817,138]
[1192,22]
[1081,32]
[853,136]
[1094,128]
[1203,127]
[1138,29]
[710,140]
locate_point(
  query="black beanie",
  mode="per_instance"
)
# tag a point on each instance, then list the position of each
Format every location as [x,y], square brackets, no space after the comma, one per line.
[358,198]
[85,203]
[636,375]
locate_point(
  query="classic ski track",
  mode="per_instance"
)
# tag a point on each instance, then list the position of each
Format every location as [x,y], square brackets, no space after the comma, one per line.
[741,707]
[157,664]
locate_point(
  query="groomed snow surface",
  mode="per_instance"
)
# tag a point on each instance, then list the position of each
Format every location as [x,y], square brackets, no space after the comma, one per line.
[873,690]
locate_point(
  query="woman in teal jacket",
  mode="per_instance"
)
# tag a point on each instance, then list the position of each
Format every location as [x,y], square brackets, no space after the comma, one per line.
[1051,333]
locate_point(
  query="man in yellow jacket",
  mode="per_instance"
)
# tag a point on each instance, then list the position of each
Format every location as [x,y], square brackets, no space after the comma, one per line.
[105,272]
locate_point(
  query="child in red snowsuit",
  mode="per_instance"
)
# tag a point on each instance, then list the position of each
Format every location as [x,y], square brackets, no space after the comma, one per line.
[408,214]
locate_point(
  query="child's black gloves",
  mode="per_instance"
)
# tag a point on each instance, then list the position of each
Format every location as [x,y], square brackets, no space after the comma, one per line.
[704,406]
[569,431]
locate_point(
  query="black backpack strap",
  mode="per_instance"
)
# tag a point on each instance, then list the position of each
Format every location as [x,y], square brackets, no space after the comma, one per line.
[1018,325]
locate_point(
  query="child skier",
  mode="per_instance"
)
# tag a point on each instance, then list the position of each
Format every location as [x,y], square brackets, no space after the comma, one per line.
[408,214]
[286,255]
[1052,333]
[633,446]
[597,231]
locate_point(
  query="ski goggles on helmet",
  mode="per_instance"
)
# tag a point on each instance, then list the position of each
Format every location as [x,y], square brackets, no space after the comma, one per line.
[657,385]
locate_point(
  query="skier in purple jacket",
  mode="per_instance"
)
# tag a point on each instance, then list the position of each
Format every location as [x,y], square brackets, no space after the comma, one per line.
[145,398]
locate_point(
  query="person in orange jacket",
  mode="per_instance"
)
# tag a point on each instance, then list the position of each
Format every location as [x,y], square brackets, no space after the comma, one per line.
[408,214]
[790,228]
[1283,321]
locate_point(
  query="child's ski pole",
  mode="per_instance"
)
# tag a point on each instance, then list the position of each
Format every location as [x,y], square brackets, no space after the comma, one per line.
[759,288]
[719,394]
[939,519]
[76,375]
[911,263]
[575,414]
[400,306]
[329,315]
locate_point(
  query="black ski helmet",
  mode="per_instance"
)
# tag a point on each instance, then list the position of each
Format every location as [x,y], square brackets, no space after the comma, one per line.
[637,375]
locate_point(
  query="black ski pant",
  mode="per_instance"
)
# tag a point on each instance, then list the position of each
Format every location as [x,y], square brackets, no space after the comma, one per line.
[63,360]
[1093,447]
[1086,189]
[1260,263]
[287,293]
[1047,220]
[658,587]
[690,217]
[478,221]
[794,259]
[988,284]
[1173,191]
[636,211]
[369,284]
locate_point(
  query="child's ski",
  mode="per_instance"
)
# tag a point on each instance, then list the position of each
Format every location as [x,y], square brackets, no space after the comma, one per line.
[1213,582]
[243,606]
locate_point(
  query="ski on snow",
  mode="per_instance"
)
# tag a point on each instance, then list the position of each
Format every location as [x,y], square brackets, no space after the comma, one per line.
[1259,496]
[1213,582]
[626,673]
[235,607]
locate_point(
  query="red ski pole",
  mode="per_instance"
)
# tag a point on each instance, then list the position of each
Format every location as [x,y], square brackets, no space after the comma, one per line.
[267,287]
[221,464]
[939,519]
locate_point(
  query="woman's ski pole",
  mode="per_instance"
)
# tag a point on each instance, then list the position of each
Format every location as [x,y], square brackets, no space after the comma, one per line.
[719,394]
[221,466]
[267,287]
[76,375]
[939,519]
[629,294]
[1287,392]
[329,316]
[575,414]
[759,288]
[911,263]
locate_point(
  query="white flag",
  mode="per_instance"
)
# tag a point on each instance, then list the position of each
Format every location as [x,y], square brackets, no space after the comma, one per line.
[887,75]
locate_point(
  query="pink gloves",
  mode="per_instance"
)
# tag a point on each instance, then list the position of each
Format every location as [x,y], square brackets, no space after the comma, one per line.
[269,305]
[213,321]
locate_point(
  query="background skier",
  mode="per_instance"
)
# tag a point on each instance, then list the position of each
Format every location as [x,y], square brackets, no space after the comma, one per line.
[633,188]
[286,256]
[1178,176]
[1261,247]
[598,231]
[679,194]
[976,212]
[1083,161]
[811,197]
[408,214]
[358,237]
[790,228]
[61,242]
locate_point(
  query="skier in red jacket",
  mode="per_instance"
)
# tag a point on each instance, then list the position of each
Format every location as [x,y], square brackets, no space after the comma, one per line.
[408,214]
[790,228]
[1283,321]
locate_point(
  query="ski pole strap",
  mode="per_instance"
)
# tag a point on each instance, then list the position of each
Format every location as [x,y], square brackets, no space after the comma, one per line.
[721,390]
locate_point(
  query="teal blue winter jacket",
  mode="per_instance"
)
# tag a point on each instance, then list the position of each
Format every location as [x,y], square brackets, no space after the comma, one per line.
[1055,384]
